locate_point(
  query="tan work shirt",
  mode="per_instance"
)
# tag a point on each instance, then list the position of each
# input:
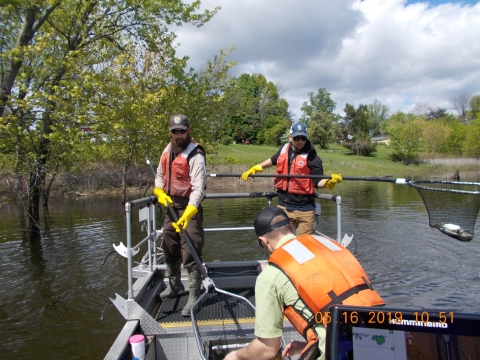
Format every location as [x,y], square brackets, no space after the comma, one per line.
[197,176]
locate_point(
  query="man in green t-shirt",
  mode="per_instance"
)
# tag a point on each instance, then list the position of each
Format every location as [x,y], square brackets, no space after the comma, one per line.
[273,292]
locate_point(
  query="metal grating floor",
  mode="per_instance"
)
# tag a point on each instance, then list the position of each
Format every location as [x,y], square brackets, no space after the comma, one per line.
[169,314]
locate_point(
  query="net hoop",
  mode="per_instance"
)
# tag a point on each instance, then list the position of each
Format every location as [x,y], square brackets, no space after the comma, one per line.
[416,184]
[452,206]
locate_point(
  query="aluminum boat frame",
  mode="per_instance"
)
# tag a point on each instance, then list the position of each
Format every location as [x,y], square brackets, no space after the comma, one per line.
[168,335]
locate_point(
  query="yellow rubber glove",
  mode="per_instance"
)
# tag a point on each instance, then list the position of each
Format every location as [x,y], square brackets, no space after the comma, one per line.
[330,183]
[252,171]
[190,210]
[162,197]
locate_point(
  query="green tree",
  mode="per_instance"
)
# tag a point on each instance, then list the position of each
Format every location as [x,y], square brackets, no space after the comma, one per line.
[321,129]
[475,106]
[405,132]
[377,115]
[456,139]
[203,97]
[472,145]
[20,23]
[251,100]
[320,102]
[358,126]
[131,103]
[79,35]
[275,128]
[435,136]
[356,121]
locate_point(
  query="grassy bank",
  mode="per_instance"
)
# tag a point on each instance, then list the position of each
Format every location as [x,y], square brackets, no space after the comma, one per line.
[105,179]
[337,160]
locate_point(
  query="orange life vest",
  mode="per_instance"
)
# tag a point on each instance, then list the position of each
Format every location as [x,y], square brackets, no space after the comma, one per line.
[177,173]
[299,166]
[324,273]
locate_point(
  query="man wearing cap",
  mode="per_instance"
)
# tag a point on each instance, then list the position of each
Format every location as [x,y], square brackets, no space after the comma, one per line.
[180,181]
[303,277]
[296,195]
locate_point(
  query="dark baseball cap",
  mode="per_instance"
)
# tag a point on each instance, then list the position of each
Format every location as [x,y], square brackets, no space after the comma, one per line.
[263,221]
[298,129]
[179,121]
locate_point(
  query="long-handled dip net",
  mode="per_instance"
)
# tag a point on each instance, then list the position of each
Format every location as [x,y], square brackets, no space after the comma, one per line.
[452,206]
[231,317]
[223,322]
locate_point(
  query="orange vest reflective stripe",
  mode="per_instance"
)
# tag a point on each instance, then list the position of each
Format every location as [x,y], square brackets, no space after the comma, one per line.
[177,174]
[324,273]
[299,166]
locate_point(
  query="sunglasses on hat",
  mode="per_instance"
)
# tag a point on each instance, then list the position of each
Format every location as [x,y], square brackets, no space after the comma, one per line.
[178,131]
[300,138]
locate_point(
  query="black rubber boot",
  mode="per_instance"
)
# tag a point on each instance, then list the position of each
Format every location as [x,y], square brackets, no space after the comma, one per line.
[175,285]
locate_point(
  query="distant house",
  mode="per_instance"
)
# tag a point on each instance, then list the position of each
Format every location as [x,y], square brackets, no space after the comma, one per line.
[382,139]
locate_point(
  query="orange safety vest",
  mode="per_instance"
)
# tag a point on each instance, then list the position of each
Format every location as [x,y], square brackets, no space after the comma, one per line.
[177,174]
[299,166]
[324,273]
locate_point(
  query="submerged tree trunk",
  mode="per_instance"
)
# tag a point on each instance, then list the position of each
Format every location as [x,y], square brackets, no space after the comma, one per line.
[34,186]
[48,187]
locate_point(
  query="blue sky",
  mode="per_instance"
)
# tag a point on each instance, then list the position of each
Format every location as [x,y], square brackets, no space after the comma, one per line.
[409,55]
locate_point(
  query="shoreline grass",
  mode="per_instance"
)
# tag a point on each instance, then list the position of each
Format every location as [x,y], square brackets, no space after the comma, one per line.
[105,179]
[337,160]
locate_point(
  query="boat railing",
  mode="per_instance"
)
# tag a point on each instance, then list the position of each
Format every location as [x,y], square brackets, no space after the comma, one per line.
[147,215]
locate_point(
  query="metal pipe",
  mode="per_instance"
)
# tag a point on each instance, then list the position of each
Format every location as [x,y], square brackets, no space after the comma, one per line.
[149,229]
[361,178]
[229,229]
[128,213]
[339,218]
[154,235]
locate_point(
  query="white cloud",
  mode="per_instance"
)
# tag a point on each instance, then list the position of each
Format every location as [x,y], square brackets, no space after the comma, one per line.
[399,53]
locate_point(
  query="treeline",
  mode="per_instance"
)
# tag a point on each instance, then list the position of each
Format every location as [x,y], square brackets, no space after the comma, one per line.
[429,130]
[90,84]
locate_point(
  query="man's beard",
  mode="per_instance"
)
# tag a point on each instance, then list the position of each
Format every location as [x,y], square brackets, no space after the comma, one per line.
[180,144]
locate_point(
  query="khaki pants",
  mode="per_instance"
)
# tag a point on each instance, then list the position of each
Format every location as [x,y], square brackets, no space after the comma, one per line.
[301,220]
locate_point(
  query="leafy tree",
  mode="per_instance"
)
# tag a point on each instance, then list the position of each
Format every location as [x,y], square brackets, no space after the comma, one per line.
[475,106]
[435,136]
[274,128]
[472,145]
[78,35]
[455,142]
[321,129]
[320,102]
[251,100]
[203,95]
[405,132]
[377,115]
[358,126]
[356,121]
[20,23]
[132,104]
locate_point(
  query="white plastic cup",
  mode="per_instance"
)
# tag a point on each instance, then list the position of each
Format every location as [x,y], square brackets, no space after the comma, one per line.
[137,342]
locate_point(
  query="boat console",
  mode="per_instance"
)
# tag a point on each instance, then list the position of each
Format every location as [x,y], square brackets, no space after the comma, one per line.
[363,333]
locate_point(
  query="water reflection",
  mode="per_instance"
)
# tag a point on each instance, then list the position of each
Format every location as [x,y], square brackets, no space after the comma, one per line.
[56,288]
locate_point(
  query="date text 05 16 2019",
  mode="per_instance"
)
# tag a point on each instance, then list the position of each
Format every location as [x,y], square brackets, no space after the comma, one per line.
[389,317]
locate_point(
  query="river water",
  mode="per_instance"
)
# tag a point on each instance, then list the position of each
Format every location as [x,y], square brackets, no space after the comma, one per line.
[53,291]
